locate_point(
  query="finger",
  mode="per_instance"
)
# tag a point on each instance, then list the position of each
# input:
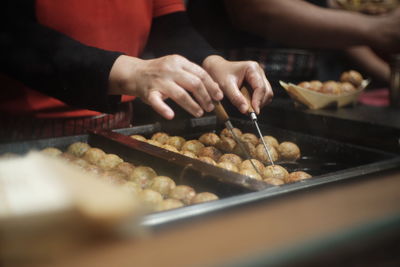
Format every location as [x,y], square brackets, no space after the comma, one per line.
[235,96]
[269,93]
[155,100]
[212,87]
[182,98]
[256,81]
[195,85]
[257,99]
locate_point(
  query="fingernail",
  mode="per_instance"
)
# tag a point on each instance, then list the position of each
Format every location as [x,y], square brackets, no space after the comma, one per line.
[243,108]
[219,96]
[199,113]
[210,107]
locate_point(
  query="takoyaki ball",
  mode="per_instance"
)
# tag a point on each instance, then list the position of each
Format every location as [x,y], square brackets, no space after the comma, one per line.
[232,158]
[203,197]
[251,173]
[193,146]
[183,193]
[208,160]
[109,161]
[162,184]
[352,76]
[347,87]
[51,151]
[226,144]
[150,198]
[209,139]
[246,164]
[170,148]
[274,181]
[142,175]
[289,151]
[154,142]
[251,149]
[160,137]
[315,85]
[93,169]
[80,162]
[138,137]
[176,141]
[228,166]
[94,155]
[262,155]
[114,177]
[331,88]
[297,176]
[189,154]
[169,204]
[270,141]
[125,167]
[210,152]
[226,133]
[305,85]
[78,149]
[69,157]
[275,171]
[132,188]
[249,137]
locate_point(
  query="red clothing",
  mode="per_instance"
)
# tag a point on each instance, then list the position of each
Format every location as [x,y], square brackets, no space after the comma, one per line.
[118,25]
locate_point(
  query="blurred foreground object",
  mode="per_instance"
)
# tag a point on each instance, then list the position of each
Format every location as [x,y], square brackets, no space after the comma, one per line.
[49,207]
[372,7]
[395,81]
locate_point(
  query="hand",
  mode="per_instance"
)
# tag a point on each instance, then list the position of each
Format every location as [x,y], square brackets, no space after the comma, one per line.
[386,32]
[157,79]
[231,74]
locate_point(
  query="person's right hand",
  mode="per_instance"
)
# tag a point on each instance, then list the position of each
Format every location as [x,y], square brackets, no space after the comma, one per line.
[385,32]
[157,79]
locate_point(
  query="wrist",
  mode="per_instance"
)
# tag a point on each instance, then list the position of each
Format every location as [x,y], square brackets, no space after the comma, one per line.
[122,72]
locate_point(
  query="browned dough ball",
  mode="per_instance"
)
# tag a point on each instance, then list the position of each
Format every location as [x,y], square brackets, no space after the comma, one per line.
[109,161]
[125,167]
[69,157]
[183,193]
[226,144]
[246,164]
[232,158]
[138,137]
[274,181]
[249,137]
[262,155]
[78,149]
[132,188]
[251,173]
[51,151]
[251,149]
[297,176]
[270,140]
[315,85]
[169,204]
[94,155]
[154,142]
[114,177]
[208,160]
[352,76]
[203,197]
[275,171]
[331,88]
[289,151]
[189,154]
[176,141]
[80,162]
[142,175]
[226,133]
[347,87]
[150,198]
[209,139]
[170,148]
[193,146]
[162,184]
[93,169]
[228,166]
[305,85]
[160,137]
[210,152]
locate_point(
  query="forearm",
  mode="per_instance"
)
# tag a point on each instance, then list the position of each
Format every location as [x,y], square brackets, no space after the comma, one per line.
[298,22]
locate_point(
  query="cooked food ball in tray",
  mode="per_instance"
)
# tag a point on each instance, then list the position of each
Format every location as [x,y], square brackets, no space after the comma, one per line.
[125,167]
[138,137]
[274,181]
[114,177]
[209,139]
[169,204]
[51,151]
[142,175]
[150,198]
[252,173]
[270,141]
[230,157]
[347,87]
[210,152]
[262,155]
[80,162]
[189,154]
[297,176]
[193,146]
[249,137]
[109,161]
[132,187]
[226,133]
[69,157]
[160,137]
[208,160]
[226,144]
[170,148]
[352,76]
[289,151]
[246,164]
[251,149]
[154,142]
[176,141]
[275,171]
[183,193]
[331,87]
[94,155]
[78,149]
[162,184]
[93,169]
[203,197]
[228,166]
[315,86]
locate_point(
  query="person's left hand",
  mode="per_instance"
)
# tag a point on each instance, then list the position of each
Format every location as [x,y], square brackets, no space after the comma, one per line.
[231,74]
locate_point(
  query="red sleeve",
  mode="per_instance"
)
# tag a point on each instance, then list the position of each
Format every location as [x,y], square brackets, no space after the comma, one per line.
[163,7]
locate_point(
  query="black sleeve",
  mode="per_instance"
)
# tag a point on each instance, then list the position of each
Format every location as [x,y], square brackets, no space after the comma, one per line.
[173,34]
[54,64]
